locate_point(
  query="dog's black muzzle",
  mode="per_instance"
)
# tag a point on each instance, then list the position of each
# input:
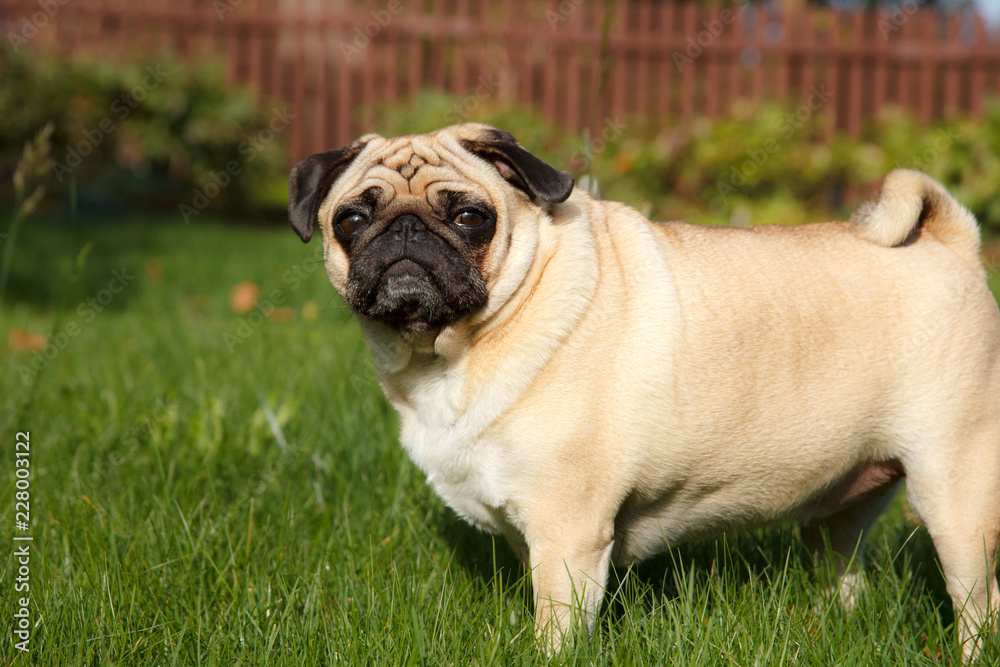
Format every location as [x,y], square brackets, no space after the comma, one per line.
[412,278]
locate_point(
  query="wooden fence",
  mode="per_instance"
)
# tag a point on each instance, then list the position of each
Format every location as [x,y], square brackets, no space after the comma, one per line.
[582,64]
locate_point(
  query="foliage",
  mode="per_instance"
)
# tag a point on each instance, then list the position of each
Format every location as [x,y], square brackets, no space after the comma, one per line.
[760,164]
[154,132]
[162,133]
[33,166]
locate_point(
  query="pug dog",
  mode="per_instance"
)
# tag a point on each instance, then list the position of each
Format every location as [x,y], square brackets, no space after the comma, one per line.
[595,386]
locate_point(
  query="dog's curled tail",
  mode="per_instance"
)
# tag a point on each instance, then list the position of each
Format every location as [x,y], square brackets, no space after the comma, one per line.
[910,199]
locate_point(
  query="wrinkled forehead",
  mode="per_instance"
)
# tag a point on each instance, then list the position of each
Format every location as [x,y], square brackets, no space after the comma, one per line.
[422,166]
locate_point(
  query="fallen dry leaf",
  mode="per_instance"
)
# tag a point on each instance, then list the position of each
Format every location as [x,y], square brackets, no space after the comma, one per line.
[281,315]
[154,270]
[26,340]
[244,297]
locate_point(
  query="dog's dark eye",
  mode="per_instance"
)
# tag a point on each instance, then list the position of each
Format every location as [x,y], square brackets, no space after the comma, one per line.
[469,219]
[352,223]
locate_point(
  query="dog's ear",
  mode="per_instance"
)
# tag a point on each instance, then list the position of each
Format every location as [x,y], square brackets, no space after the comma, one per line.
[519,167]
[310,181]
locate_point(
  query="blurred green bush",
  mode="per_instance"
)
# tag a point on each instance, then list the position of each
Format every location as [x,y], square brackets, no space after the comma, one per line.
[163,134]
[760,164]
[157,133]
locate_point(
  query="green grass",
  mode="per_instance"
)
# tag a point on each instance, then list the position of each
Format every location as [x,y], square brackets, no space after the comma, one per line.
[200,501]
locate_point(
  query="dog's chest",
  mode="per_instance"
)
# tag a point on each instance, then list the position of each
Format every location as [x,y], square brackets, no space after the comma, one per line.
[442,436]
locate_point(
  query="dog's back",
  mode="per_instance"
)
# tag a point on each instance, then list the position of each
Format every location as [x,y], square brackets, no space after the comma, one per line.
[866,349]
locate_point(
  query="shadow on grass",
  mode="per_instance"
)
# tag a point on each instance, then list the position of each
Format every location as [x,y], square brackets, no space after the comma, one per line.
[485,557]
[47,249]
[762,555]
[741,558]
[46,255]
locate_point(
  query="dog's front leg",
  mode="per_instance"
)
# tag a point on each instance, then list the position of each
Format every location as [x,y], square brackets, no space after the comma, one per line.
[569,570]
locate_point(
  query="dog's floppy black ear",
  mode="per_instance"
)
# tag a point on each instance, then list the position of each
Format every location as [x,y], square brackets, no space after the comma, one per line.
[519,167]
[310,181]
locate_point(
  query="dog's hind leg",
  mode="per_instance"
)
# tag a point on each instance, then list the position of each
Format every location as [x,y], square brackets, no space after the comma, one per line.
[837,541]
[957,495]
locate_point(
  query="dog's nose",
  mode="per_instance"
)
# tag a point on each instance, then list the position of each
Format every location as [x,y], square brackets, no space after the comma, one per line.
[406,227]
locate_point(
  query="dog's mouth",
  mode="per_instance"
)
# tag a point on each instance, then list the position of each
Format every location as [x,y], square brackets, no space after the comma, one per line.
[407,298]
[411,297]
